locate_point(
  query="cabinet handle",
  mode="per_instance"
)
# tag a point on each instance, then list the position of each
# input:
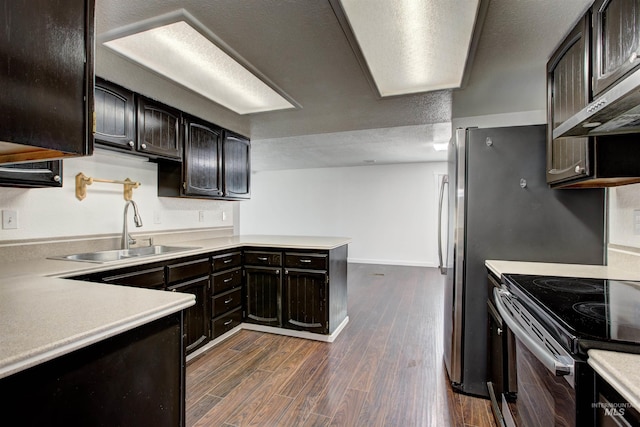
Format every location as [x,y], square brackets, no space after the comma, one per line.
[305,260]
[57,178]
[144,146]
[263,258]
[227,261]
[499,331]
[579,169]
[634,57]
[228,322]
[278,272]
[228,301]
[227,280]
[131,144]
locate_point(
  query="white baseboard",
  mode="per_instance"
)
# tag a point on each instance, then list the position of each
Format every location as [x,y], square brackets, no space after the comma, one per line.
[393,262]
[270,330]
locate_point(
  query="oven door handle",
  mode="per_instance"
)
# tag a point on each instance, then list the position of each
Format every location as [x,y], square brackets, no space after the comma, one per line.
[550,361]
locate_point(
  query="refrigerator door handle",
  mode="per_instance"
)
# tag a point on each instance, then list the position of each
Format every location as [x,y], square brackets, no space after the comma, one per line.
[441,266]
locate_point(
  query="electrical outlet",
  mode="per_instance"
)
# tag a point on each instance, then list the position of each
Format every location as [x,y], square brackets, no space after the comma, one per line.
[9,219]
[224,216]
[157,218]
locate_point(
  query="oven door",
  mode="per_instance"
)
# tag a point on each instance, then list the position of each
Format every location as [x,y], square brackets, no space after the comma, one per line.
[545,371]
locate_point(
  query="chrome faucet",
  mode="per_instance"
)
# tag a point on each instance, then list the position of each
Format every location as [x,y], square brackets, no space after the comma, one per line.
[126,238]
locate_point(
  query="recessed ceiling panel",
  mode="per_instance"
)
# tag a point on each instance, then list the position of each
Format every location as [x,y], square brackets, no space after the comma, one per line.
[181,53]
[413,46]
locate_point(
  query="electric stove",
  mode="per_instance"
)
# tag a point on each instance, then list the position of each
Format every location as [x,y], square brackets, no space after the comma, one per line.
[580,313]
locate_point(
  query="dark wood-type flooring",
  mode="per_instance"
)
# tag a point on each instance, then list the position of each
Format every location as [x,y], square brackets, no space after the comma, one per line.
[384,369]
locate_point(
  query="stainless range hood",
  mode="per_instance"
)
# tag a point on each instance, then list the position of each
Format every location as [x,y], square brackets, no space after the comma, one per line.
[616,111]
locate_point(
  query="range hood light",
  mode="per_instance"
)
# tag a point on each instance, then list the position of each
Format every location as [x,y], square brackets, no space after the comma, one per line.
[591,125]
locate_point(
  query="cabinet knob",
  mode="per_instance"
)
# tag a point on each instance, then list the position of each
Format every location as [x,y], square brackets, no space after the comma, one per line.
[57,178]
[499,331]
[579,169]
[144,146]
[131,144]
[634,57]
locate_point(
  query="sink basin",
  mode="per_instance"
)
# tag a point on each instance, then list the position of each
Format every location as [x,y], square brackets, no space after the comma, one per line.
[120,254]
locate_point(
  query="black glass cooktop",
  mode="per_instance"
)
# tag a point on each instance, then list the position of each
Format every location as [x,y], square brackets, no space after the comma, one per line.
[591,313]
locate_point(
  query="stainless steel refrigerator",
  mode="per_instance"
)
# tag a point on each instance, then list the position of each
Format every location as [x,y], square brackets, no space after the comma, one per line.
[499,206]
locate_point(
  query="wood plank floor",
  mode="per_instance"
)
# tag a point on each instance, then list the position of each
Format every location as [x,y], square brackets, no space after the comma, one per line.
[384,369]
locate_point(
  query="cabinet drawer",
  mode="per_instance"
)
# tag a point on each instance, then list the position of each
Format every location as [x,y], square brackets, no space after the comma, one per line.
[224,261]
[226,322]
[227,280]
[151,278]
[262,258]
[187,270]
[313,261]
[226,301]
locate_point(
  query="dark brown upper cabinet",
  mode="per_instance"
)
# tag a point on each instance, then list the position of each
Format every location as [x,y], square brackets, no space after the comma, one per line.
[115,116]
[46,79]
[616,41]
[236,166]
[158,130]
[568,92]
[202,163]
[32,175]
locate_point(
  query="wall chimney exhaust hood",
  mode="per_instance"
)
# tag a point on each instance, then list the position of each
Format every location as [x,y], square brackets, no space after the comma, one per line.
[616,111]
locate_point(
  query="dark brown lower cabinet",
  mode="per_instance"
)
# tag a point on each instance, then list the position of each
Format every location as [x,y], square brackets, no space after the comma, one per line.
[263,295]
[196,317]
[305,300]
[226,322]
[136,378]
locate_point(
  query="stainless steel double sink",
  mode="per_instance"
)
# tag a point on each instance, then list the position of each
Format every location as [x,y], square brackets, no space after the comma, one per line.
[121,254]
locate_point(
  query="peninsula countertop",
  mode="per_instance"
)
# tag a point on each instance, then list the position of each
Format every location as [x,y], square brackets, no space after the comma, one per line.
[45,316]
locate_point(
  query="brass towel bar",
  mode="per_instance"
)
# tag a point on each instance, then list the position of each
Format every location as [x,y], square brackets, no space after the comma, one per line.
[82,181]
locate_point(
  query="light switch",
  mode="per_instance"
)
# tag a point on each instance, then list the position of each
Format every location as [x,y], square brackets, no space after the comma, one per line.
[9,219]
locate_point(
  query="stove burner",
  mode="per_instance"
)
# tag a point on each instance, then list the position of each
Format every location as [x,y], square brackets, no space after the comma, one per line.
[594,310]
[568,284]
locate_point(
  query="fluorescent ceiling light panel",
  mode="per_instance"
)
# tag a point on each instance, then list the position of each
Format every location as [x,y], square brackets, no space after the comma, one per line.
[413,46]
[181,53]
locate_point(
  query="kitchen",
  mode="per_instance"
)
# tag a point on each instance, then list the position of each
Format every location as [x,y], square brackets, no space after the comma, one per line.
[486,101]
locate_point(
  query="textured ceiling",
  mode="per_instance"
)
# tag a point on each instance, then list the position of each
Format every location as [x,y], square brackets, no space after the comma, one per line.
[300,46]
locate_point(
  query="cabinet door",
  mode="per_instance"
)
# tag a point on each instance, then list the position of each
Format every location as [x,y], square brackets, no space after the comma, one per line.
[38,174]
[568,93]
[237,166]
[616,41]
[196,317]
[305,300]
[115,116]
[202,159]
[46,77]
[158,130]
[263,295]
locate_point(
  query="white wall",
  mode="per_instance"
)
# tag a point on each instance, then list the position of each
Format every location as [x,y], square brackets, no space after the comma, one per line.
[55,212]
[623,201]
[390,211]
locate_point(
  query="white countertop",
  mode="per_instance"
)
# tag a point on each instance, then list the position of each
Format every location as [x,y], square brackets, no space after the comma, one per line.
[621,371]
[499,268]
[45,316]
